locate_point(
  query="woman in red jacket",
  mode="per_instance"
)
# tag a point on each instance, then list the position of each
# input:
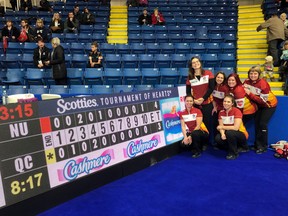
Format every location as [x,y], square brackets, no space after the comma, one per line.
[200,84]
[157,18]
[232,133]
[259,91]
[196,134]
[236,89]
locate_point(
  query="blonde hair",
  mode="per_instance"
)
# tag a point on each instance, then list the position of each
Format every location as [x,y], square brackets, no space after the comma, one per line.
[55,41]
[54,16]
[40,21]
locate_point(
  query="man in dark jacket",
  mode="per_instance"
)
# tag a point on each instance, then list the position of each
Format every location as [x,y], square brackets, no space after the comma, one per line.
[145,18]
[41,54]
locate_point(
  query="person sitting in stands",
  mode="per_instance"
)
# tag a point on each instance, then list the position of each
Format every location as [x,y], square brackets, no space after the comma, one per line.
[45,6]
[145,18]
[41,31]
[10,32]
[25,5]
[157,18]
[87,17]
[41,54]
[29,31]
[76,12]
[56,24]
[71,24]
[95,57]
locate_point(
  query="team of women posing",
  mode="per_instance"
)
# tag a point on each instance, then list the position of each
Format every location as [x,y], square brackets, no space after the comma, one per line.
[221,106]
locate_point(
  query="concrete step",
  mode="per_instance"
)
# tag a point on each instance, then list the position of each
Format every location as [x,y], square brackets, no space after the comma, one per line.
[248,16]
[250,33]
[247,27]
[252,46]
[117,41]
[245,7]
[255,41]
[250,51]
[118,22]
[251,37]
[278,93]
[252,21]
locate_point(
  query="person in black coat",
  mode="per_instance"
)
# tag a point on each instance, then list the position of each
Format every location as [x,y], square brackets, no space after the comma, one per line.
[41,54]
[13,4]
[10,32]
[87,17]
[25,5]
[145,18]
[57,61]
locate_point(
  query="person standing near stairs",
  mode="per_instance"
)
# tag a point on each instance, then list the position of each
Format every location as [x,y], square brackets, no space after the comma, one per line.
[275,36]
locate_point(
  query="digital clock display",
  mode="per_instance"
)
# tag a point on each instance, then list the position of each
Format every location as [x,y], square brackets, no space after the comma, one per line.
[49,143]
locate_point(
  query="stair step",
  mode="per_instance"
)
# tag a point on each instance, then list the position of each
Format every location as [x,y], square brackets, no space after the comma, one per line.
[278,93]
[242,7]
[248,16]
[250,33]
[252,46]
[247,27]
[250,51]
[256,41]
[116,22]
[251,37]
[252,21]
[117,41]
[247,62]
[276,84]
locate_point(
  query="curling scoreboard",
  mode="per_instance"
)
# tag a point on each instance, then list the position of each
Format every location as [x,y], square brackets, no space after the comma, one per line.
[46,144]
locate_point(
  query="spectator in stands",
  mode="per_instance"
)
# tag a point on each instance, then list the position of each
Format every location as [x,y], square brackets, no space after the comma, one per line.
[76,12]
[232,133]
[220,90]
[71,24]
[236,89]
[259,91]
[145,18]
[275,35]
[41,31]
[200,84]
[45,6]
[87,17]
[143,3]
[29,31]
[41,54]
[57,61]
[25,5]
[283,17]
[13,4]
[56,24]
[157,18]
[197,134]
[2,11]
[95,57]
[283,69]
[10,32]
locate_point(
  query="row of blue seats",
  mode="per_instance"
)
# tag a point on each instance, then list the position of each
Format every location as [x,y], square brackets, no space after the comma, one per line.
[80,89]
[108,76]
[127,60]
[133,48]
[190,29]
[190,6]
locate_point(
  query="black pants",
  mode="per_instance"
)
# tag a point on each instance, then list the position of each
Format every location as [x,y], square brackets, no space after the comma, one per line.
[207,116]
[234,139]
[273,50]
[262,118]
[199,138]
[61,81]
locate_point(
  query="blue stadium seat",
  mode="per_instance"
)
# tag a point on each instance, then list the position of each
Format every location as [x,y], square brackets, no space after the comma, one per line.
[132,76]
[153,48]
[101,89]
[79,60]
[147,29]
[167,48]
[38,89]
[68,59]
[112,61]
[29,47]
[175,38]
[162,60]
[215,38]
[59,89]
[169,76]
[198,47]
[138,48]
[79,89]
[162,29]
[182,48]
[27,60]
[17,89]
[14,76]
[106,48]
[123,88]
[134,38]
[14,48]
[146,60]
[213,48]
[178,60]
[209,60]
[227,59]
[93,76]
[161,38]
[228,48]
[34,76]
[150,76]
[226,70]
[11,60]
[129,61]
[69,38]
[122,48]
[86,29]
[75,76]
[77,48]
[143,87]
[183,73]
[161,86]
[112,76]
[230,38]
[189,38]
[149,38]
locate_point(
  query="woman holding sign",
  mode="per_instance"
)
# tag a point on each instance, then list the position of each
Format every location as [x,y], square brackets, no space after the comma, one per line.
[196,134]
[259,91]
[232,133]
